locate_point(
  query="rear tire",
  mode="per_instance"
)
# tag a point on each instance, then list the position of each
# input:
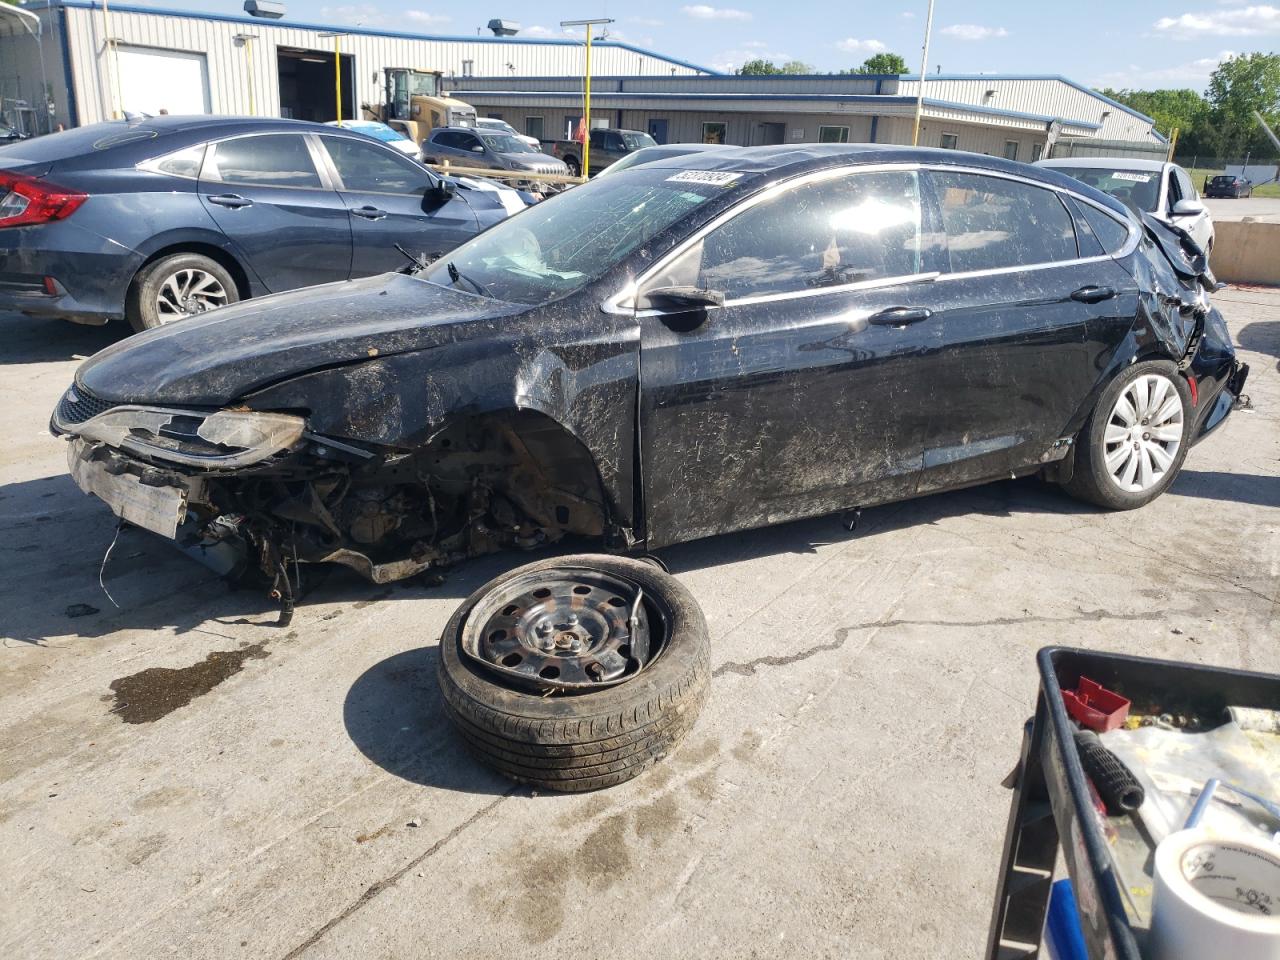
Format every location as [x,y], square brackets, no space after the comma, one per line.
[575,169]
[576,742]
[178,286]
[1127,456]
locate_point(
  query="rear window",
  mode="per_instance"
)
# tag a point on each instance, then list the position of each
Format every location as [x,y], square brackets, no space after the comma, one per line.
[1224,179]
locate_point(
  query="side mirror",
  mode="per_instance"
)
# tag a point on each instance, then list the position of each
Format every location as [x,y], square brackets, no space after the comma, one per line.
[442,192]
[477,149]
[1188,208]
[680,299]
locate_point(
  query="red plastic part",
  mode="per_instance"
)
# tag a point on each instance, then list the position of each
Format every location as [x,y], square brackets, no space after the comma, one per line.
[1094,706]
[45,201]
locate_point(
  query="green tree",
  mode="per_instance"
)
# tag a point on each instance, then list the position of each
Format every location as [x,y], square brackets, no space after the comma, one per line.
[1239,86]
[796,67]
[1183,110]
[884,63]
[758,68]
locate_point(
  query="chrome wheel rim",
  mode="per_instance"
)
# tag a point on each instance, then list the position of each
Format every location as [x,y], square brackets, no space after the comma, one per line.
[1143,433]
[188,292]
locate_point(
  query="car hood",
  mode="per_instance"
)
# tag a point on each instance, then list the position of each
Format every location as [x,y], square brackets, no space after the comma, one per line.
[219,358]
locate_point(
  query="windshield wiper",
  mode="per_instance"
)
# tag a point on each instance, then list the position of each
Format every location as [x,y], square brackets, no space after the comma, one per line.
[417,261]
[455,275]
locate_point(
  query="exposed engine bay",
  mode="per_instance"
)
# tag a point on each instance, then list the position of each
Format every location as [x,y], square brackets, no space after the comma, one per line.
[481,485]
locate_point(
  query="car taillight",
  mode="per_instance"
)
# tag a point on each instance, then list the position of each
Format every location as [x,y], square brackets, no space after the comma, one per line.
[26,200]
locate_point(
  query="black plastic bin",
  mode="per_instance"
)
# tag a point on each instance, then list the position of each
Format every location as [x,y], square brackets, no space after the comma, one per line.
[1051,807]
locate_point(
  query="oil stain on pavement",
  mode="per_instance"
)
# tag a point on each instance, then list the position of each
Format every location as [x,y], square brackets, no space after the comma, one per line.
[150,694]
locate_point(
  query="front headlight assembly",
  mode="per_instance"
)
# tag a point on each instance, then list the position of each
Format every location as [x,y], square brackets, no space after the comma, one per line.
[225,440]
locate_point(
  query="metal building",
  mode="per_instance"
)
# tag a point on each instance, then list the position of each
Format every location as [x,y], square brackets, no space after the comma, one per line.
[102,60]
[1019,117]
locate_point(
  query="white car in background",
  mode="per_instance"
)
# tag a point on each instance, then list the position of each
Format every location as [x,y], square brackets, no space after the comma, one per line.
[493,123]
[380,131]
[1157,187]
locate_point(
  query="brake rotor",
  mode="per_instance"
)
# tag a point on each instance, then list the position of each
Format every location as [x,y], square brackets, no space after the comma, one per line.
[563,629]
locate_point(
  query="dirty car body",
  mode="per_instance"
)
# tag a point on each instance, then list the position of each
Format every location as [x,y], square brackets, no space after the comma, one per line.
[701,345]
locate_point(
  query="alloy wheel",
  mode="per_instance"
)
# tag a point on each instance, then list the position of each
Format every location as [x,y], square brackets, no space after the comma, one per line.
[187,292]
[1144,433]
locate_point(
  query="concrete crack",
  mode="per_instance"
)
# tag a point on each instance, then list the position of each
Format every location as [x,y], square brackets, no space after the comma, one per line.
[841,635]
[390,881]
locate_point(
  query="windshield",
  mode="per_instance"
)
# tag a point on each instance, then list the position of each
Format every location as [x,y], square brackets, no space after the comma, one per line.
[635,141]
[560,245]
[505,143]
[1139,190]
[492,124]
[1224,179]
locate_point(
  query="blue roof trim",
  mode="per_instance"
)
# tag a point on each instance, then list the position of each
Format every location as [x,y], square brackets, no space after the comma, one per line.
[365,31]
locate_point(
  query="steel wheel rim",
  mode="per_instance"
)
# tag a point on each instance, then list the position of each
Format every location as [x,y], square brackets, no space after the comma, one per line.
[1143,433]
[188,292]
[567,629]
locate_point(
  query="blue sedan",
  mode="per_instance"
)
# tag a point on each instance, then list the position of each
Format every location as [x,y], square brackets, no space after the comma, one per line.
[159,219]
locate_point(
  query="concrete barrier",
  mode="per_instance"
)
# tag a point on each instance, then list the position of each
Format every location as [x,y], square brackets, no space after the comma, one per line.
[1246,251]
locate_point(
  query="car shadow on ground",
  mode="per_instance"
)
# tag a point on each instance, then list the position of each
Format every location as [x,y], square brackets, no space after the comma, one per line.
[1260,491]
[41,340]
[394,714]
[1261,336]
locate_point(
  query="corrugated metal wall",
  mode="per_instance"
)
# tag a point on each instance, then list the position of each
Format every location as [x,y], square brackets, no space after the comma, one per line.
[228,62]
[1050,97]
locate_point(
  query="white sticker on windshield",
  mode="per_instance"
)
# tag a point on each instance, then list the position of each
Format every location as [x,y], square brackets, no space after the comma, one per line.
[710,178]
[1135,177]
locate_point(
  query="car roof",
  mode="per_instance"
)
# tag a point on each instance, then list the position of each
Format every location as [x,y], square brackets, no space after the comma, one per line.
[1110,163]
[778,162]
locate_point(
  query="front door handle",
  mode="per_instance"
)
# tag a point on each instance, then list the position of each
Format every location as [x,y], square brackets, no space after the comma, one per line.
[900,316]
[231,200]
[1092,294]
[370,213]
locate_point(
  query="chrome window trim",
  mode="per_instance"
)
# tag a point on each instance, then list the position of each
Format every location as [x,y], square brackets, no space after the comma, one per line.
[153,165]
[621,302]
[209,172]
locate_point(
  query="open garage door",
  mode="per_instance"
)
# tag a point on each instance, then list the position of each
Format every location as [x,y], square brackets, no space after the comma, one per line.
[306,85]
[163,81]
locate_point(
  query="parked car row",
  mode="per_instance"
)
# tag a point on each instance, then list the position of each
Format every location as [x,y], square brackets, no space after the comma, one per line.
[167,217]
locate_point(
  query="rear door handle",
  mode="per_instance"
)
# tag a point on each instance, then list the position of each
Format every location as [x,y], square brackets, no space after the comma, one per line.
[1092,294]
[900,316]
[234,201]
[370,213]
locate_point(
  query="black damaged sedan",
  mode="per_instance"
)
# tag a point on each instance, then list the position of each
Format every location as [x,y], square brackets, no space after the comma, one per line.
[704,344]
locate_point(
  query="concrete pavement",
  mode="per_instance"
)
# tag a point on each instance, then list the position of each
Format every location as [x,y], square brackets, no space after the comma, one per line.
[300,795]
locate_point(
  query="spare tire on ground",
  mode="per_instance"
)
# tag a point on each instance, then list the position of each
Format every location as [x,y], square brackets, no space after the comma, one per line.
[576,673]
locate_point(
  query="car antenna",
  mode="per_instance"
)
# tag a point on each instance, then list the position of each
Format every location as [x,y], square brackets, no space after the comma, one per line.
[415,259]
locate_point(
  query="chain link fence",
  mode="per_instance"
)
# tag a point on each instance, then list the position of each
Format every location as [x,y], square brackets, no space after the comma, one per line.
[1259,169]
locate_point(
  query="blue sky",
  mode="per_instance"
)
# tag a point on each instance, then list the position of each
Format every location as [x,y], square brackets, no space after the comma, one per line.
[1117,43]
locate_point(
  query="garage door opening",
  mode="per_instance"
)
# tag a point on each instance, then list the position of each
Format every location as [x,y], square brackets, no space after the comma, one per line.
[307,88]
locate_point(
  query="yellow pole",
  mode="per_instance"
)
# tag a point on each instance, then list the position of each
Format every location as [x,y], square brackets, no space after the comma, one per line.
[1173,143]
[924,69]
[337,75]
[113,65]
[586,144]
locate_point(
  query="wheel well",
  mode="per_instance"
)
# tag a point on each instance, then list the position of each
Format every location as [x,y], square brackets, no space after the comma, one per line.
[547,471]
[214,253]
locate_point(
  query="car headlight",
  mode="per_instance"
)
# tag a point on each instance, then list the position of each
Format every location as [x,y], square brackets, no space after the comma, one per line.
[227,439]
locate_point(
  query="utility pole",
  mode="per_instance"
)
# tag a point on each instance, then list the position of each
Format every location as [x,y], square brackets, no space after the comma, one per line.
[586,108]
[924,69]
